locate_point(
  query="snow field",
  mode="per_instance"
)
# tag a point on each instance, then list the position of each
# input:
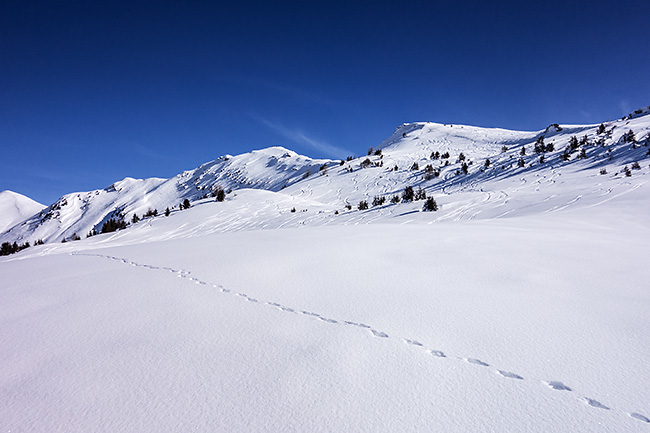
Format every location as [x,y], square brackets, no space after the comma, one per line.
[369,328]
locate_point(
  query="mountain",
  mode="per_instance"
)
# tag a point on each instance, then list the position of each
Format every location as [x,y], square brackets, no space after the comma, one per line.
[520,305]
[472,172]
[15,208]
[80,213]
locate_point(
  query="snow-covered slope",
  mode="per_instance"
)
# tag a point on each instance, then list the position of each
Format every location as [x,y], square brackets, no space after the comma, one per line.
[80,213]
[474,172]
[15,208]
[535,323]
[520,305]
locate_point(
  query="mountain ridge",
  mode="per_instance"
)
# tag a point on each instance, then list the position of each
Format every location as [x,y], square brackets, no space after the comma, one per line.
[440,158]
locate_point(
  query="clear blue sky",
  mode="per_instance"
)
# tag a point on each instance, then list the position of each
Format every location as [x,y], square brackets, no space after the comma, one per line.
[91,92]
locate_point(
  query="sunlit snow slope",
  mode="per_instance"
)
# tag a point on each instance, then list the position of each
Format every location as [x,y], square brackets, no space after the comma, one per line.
[15,208]
[521,305]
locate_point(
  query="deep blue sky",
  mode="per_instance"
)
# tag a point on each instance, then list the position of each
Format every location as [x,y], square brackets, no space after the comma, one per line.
[91,92]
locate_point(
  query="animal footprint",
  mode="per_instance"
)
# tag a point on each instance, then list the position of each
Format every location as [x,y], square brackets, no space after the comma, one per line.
[412,342]
[509,375]
[438,353]
[639,417]
[325,319]
[559,386]
[595,403]
[477,362]
[379,334]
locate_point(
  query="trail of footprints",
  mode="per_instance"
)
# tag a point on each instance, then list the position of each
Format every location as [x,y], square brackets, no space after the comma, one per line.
[554,385]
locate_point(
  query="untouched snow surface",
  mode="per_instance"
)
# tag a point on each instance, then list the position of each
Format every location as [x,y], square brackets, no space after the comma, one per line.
[15,208]
[521,305]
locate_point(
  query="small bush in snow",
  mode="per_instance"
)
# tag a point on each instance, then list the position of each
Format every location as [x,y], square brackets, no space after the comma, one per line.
[378,200]
[636,166]
[395,199]
[420,194]
[603,170]
[219,194]
[408,194]
[430,205]
[363,205]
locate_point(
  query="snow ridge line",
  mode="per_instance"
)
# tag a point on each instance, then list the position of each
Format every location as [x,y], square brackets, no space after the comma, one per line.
[552,384]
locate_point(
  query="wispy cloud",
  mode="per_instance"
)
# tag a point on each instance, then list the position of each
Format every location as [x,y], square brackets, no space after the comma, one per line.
[299,137]
[625,106]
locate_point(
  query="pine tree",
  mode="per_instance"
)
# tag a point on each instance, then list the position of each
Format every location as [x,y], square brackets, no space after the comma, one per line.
[408,194]
[430,205]
[167,212]
[186,204]
[420,194]
[363,205]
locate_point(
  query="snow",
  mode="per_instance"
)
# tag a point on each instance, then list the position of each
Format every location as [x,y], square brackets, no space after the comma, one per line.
[15,208]
[521,305]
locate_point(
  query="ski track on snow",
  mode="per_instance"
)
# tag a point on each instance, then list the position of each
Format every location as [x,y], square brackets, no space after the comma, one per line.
[552,384]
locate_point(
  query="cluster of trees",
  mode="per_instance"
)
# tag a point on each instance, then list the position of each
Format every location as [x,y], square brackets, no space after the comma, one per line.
[368,163]
[12,248]
[437,155]
[541,147]
[113,224]
[629,137]
[408,195]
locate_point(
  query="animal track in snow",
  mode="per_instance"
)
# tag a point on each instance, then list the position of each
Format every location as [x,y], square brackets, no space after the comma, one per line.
[559,386]
[477,362]
[640,417]
[595,403]
[556,385]
[509,375]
